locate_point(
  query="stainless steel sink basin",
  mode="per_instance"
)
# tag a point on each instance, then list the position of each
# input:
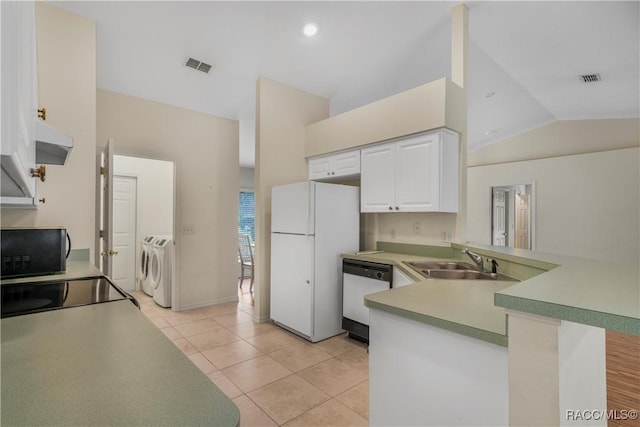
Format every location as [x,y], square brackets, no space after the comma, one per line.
[441,265]
[454,271]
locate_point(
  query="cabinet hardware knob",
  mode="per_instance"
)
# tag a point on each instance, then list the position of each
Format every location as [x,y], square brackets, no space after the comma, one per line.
[42,113]
[308,282]
[390,208]
[333,173]
[397,208]
[43,201]
[39,172]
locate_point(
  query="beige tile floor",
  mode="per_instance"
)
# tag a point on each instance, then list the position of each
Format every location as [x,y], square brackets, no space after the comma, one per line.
[273,376]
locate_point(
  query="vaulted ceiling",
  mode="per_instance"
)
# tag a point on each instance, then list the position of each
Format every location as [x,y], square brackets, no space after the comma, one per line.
[525,58]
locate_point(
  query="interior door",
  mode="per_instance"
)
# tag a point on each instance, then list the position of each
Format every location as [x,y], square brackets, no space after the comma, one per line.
[292,281]
[104,211]
[124,231]
[522,221]
[499,223]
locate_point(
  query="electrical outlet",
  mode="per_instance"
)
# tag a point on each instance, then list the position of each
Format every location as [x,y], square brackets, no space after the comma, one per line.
[446,236]
[393,232]
[417,228]
[187,229]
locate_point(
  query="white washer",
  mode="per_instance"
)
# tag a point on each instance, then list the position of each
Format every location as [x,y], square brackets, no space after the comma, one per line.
[160,269]
[143,264]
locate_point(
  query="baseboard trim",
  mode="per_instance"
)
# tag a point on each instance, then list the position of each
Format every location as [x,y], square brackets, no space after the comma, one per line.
[208,303]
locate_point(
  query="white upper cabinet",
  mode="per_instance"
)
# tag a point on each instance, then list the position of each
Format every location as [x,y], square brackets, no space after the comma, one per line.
[414,174]
[19,103]
[377,178]
[334,166]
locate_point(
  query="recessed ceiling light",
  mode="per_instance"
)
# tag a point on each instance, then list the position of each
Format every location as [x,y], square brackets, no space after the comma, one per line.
[310,29]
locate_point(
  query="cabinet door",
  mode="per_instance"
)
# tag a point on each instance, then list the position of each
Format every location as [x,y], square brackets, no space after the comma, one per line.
[18,99]
[377,185]
[417,165]
[320,168]
[346,163]
[400,278]
[334,166]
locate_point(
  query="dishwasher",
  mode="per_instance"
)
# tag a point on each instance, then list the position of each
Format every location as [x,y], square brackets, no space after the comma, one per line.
[360,278]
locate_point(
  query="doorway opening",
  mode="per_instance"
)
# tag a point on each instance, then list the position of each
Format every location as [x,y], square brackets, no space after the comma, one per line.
[135,199]
[512,216]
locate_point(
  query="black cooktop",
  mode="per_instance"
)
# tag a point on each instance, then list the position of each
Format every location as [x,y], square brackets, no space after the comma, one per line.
[35,297]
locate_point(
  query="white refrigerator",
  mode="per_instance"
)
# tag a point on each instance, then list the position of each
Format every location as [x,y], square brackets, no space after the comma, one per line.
[312,223]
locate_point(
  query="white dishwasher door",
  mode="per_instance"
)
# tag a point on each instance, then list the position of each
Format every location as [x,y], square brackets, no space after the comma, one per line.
[354,288]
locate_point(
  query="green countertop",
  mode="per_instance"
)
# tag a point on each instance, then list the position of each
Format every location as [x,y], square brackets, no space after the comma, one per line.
[102,364]
[461,306]
[99,365]
[584,291]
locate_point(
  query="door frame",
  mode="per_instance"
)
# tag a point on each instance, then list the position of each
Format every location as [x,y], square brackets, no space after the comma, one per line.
[532,209]
[175,295]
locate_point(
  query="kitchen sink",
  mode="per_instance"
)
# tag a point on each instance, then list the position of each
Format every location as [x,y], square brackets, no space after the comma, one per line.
[441,265]
[454,271]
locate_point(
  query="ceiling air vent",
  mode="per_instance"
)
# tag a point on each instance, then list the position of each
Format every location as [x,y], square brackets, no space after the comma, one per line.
[198,65]
[590,78]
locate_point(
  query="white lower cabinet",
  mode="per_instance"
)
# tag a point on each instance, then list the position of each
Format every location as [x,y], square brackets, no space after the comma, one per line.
[422,375]
[400,279]
[414,174]
[340,165]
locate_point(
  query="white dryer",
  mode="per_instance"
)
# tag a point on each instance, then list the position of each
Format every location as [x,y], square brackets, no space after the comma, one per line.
[143,264]
[160,270]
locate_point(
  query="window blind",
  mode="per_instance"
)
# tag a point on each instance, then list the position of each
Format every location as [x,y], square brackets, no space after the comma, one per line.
[246,214]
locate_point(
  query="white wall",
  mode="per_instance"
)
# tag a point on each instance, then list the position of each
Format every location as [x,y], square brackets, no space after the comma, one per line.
[587,205]
[67,89]
[204,149]
[155,192]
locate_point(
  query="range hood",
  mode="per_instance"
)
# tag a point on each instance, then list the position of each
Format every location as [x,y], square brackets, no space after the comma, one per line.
[52,146]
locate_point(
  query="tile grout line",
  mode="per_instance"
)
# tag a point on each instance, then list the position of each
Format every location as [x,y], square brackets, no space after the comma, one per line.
[163,313]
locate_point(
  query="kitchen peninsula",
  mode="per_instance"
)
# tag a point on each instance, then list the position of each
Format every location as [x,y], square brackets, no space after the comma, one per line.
[426,351]
[101,364]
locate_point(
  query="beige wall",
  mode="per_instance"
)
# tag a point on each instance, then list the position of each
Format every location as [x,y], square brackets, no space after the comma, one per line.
[433,105]
[561,138]
[67,89]
[204,149]
[587,205]
[282,113]
[247,178]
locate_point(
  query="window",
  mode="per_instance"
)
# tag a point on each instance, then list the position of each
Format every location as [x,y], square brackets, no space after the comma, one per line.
[246,214]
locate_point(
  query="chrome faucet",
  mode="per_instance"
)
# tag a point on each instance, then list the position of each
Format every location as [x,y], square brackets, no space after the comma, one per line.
[477,259]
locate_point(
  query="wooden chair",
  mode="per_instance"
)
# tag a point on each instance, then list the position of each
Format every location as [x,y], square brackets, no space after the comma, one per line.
[245,252]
